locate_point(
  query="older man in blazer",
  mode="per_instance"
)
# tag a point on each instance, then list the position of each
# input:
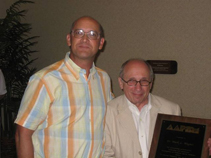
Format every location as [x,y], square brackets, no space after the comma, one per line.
[131,118]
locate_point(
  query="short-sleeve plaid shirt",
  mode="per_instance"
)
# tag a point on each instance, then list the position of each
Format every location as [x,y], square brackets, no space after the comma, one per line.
[66,110]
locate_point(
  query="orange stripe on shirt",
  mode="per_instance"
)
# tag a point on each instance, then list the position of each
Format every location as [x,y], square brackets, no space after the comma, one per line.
[104,94]
[50,116]
[92,121]
[70,146]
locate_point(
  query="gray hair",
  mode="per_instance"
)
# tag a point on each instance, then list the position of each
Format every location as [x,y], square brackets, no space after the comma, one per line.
[121,72]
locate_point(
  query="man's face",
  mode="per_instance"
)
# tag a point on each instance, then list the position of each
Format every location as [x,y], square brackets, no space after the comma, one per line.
[136,70]
[84,48]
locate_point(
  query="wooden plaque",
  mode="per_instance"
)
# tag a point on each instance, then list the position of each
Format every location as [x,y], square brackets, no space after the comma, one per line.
[163,66]
[180,137]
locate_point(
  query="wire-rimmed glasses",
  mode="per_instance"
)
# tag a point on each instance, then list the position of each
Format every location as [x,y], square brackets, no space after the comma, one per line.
[79,33]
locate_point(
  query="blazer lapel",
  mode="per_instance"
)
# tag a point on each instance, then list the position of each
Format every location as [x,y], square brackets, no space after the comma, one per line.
[126,121]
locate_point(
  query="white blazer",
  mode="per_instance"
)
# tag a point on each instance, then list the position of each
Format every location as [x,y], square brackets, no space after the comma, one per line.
[121,136]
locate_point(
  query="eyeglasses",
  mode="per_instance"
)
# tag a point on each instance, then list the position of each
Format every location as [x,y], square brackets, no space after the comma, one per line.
[134,82]
[92,35]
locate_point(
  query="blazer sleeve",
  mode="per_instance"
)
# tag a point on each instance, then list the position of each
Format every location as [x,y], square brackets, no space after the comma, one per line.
[179,111]
[109,152]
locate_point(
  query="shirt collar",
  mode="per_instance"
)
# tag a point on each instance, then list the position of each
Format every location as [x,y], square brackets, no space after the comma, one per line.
[75,69]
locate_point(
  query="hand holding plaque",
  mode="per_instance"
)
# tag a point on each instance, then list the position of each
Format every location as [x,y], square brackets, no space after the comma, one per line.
[209,145]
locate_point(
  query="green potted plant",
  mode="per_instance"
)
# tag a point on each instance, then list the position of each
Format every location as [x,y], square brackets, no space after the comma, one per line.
[15,52]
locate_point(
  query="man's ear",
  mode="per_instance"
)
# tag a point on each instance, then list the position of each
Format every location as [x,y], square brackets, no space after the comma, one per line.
[102,40]
[68,38]
[120,83]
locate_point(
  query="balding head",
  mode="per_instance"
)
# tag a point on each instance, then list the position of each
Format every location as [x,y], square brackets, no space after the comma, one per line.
[121,73]
[92,19]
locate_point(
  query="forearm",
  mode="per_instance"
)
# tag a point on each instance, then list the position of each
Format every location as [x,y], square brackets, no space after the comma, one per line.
[24,146]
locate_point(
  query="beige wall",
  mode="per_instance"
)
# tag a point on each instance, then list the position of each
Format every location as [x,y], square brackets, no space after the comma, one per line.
[154,30]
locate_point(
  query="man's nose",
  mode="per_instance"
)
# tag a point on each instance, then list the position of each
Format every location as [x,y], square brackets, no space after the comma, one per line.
[138,85]
[85,37]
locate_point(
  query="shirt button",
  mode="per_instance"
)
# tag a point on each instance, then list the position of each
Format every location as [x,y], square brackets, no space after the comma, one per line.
[140,153]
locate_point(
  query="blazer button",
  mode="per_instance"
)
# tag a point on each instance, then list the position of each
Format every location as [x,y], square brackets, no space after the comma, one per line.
[140,153]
